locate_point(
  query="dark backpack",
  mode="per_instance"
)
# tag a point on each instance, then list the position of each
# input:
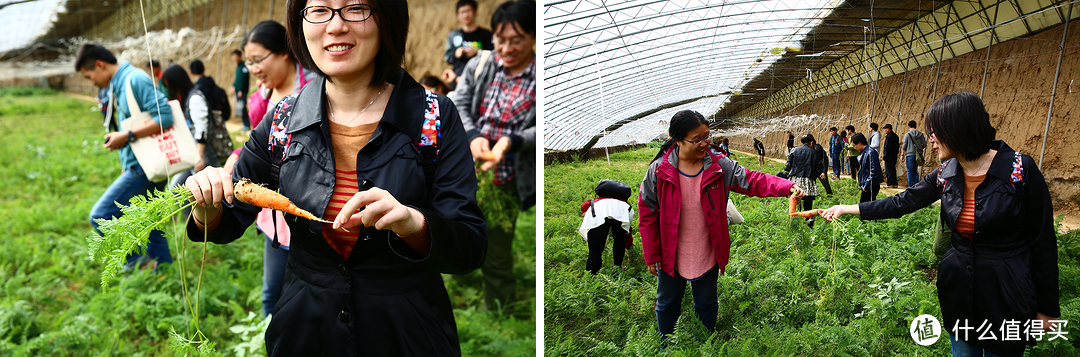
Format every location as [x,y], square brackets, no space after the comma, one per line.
[217,136]
[613,189]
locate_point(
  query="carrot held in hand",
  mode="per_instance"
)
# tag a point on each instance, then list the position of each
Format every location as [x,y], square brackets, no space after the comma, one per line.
[257,195]
[807,214]
[792,203]
[487,156]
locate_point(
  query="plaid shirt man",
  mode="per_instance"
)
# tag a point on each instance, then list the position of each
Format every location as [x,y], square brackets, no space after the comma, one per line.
[506,104]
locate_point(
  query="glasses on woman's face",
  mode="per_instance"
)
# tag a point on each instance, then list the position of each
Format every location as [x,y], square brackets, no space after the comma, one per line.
[350,13]
[698,141]
[253,63]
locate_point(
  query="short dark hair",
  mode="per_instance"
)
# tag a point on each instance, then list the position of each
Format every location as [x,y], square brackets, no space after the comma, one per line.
[392,17]
[237,52]
[155,63]
[850,127]
[461,3]
[521,12]
[960,122]
[832,129]
[432,81]
[807,138]
[873,126]
[681,124]
[843,134]
[858,138]
[90,53]
[269,34]
[911,124]
[197,67]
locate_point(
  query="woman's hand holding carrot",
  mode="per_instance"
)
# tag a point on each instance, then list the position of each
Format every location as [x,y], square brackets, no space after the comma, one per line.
[380,210]
[836,211]
[209,187]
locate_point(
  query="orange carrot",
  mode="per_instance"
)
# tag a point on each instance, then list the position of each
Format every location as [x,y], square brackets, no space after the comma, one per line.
[807,214]
[792,203]
[257,195]
[487,156]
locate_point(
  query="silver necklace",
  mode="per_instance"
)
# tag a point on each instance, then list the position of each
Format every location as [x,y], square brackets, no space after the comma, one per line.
[357,114]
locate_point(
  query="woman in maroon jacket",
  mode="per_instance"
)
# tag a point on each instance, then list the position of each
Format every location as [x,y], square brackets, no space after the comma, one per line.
[683,217]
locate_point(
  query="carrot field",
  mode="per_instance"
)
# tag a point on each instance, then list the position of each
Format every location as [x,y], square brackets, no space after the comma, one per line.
[849,288]
[52,170]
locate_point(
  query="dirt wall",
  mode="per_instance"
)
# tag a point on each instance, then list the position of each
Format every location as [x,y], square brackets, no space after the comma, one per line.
[1018,90]
[429,23]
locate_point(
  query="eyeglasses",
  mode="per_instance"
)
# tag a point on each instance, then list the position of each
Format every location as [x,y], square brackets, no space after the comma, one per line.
[252,63]
[350,13]
[515,42]
[698,141]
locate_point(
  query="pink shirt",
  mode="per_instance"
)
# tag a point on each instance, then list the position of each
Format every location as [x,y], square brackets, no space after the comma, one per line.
[694,255]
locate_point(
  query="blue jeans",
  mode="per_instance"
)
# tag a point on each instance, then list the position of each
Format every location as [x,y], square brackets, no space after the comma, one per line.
[669,296]
[273,271]
[963,349]
[836,162]
[132,182]
[912,171]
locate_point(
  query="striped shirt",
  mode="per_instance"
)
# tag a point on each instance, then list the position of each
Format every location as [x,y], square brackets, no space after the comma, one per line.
[347,142]
[965,223]
[505,107]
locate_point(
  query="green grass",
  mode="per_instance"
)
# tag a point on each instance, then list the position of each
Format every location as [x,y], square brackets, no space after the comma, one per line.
[54,169]
[836,289]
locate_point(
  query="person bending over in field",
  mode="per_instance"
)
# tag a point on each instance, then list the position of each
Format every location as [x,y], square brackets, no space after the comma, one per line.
[682,207]
[1001,264]
[354,147]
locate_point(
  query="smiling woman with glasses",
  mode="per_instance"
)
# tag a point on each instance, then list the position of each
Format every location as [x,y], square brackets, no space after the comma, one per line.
[682,205]
[387,166]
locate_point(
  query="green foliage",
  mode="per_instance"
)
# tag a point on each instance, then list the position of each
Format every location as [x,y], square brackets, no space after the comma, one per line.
[251,332]
[131,232]
[497,204]
[54,170]
[25,91]
[846,288]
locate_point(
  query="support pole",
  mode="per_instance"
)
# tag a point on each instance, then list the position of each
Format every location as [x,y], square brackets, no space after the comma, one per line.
[1057,76]
[271,14]
[941,58]
[993,36]
[243,24]
[224,10]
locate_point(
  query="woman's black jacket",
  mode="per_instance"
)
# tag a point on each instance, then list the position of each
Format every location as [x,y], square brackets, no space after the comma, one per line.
[1008,271]
[386,300]
[803,162]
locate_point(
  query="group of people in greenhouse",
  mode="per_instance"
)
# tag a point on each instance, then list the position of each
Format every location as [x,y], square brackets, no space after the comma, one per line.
[1001,262]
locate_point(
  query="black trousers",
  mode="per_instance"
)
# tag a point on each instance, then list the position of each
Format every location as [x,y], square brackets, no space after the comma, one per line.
[825,183]
[890,173]
[870,194]
[598,236]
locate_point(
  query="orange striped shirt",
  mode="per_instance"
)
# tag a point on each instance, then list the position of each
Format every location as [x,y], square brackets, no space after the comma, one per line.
[346,142]
[965,223]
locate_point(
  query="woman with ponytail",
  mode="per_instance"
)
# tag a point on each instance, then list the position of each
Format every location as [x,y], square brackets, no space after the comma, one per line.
[682,205]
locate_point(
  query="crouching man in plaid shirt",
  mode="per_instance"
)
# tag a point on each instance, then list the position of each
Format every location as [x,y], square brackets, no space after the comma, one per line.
[496,99]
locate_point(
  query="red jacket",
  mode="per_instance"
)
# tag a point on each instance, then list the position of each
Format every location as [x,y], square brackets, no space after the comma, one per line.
[659,201]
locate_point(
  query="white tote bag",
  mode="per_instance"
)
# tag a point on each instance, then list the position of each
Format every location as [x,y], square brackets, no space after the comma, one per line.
[166,152]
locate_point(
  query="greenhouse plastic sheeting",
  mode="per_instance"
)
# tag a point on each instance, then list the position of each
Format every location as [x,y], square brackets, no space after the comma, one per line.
[609,61]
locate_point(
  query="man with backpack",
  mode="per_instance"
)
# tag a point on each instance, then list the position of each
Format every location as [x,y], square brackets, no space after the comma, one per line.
[217,100]
[914,145]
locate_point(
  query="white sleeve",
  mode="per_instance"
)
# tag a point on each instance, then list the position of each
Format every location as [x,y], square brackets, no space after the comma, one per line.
[199,116]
